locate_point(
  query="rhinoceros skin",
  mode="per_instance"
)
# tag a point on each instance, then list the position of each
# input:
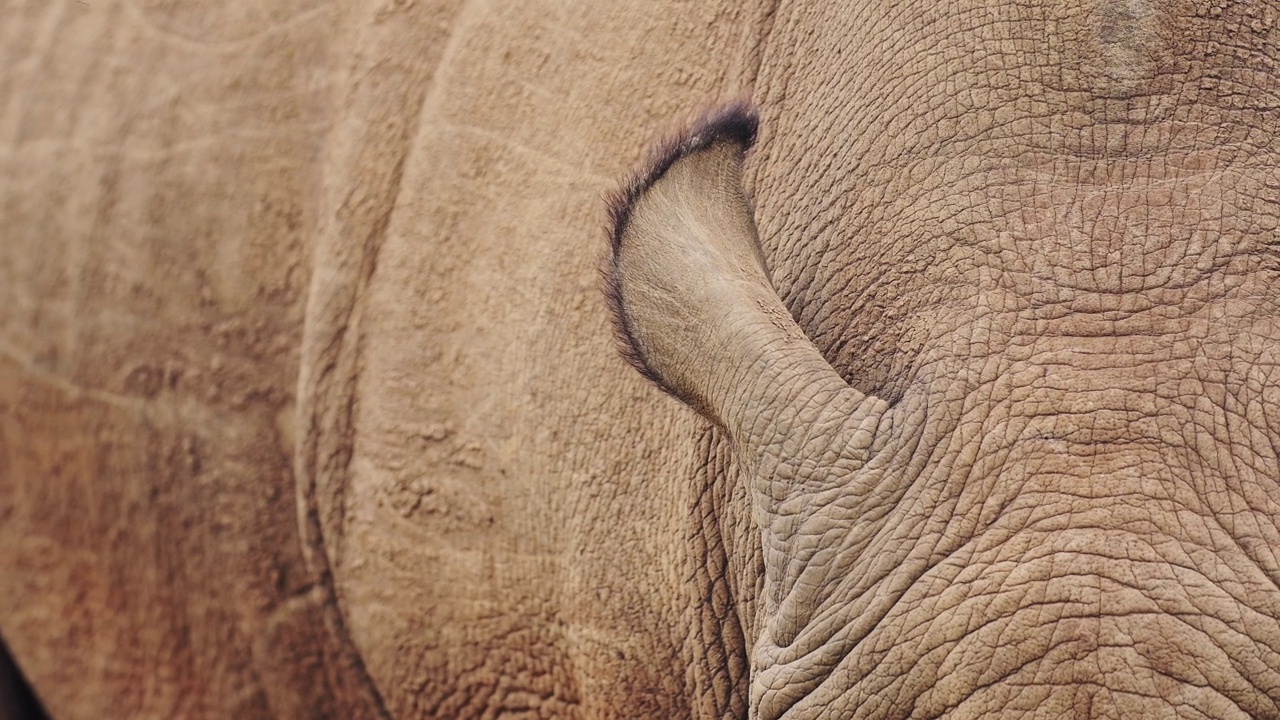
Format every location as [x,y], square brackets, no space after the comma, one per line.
[309,405]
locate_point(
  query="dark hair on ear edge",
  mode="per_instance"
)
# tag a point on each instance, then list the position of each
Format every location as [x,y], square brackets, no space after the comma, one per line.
[736,122]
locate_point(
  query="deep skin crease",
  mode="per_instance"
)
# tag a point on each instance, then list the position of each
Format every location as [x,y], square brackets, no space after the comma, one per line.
[309,405]
[1050,486]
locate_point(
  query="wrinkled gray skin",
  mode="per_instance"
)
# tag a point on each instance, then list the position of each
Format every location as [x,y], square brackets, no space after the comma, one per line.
[308,405]
[1038,475]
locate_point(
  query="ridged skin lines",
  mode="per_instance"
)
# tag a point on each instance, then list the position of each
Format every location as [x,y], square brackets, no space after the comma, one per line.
[1045,233]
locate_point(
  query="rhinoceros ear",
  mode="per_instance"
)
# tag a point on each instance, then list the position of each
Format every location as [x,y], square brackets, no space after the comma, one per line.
[720,138]
[692,301]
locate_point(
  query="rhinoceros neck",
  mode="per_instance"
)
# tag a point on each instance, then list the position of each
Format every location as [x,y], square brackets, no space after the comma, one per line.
[1049,512]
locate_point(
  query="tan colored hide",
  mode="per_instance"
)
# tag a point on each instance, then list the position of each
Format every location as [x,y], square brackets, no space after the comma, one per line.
[307,402]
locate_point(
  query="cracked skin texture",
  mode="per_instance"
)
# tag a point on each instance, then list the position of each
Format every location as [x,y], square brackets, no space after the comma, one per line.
[1051,245]
[307,405]
[1045,238]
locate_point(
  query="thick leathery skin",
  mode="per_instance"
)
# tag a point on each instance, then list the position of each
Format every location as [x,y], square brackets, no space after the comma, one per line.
[308,406]
[1055,261]
[1047,234]
[307,402]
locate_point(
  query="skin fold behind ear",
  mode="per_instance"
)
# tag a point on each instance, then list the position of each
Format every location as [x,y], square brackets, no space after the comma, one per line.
[698,314]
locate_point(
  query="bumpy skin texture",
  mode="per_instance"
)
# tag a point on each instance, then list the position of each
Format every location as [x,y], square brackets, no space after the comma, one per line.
[1060,266]
[1055,264]
[308,405]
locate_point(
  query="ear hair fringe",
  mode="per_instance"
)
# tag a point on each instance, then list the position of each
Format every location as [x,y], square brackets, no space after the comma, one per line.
[737,122]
